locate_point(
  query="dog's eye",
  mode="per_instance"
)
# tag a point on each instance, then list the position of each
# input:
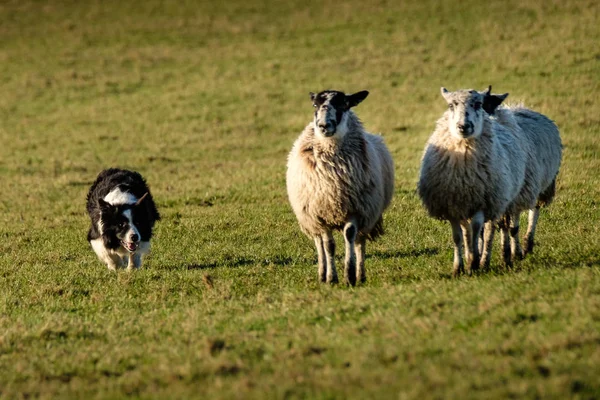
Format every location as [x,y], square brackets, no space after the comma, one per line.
[314,105]
[122,224]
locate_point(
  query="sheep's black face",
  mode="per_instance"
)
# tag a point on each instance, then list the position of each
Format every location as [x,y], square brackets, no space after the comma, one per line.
[465,112]
[330,109]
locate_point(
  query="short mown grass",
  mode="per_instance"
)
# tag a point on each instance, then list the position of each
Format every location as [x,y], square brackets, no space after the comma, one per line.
[205,100]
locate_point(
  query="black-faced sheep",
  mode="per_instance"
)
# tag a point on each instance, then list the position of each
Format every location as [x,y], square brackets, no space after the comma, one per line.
[543,149]
[339,177]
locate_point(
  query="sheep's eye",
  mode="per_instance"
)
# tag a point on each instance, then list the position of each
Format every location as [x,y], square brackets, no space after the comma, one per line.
[314,105]
[451,106]
[477,106]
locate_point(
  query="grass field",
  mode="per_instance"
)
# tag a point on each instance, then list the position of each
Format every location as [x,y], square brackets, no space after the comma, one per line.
[205,99]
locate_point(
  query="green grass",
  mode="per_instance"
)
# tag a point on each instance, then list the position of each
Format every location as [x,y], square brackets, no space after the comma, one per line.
[205,99]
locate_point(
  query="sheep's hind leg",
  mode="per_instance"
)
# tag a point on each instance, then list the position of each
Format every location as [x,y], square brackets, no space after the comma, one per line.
[505,240]
[359,246]
[350,233]
[534,214]
[457,236]
[322,266]
[488,240]
[329,247]
[515,245]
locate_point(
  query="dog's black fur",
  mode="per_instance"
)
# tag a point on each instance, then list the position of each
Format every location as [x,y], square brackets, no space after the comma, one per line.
[114,222]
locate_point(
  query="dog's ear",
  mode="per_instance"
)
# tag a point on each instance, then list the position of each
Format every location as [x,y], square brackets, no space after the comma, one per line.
[137,203]
[104,205]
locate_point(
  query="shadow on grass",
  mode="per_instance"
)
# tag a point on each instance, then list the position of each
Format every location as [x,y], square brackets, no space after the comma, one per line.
[235,262]
[532,263]
[428,251]
[238,262]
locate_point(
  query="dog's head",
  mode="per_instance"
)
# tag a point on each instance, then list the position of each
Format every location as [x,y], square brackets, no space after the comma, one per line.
[117,223]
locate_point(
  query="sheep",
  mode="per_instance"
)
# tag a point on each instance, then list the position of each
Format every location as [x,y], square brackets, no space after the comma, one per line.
[543,148]
[339,177]
[471,170]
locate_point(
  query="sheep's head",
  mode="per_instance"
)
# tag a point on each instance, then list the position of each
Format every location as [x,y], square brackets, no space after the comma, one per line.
[492,101]
[465,112]
[331,108]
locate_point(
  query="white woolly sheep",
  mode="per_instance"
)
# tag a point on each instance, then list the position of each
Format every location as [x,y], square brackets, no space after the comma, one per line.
[543,148]
[339,177]
[472,169]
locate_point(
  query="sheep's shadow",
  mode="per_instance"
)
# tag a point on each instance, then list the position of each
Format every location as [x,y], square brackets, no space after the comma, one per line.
[427,251]
[236,262]
[530,263]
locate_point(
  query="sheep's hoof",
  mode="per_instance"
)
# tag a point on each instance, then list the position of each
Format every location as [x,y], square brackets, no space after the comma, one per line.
[518,255]
[458,270]
[351,281]
[485,264]
[529,246]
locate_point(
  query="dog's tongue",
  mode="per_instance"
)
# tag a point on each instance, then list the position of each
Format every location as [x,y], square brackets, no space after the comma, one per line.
[130,246]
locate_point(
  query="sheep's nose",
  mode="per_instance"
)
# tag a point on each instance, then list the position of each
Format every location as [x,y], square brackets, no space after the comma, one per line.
[135,238]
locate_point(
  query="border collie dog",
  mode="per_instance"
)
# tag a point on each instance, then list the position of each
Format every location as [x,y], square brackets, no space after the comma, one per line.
[123,214]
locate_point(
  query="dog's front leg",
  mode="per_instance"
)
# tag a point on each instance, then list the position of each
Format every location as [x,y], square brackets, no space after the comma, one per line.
[135,260]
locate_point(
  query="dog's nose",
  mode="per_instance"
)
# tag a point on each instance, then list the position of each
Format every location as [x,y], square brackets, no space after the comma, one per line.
[135,238]
[461,128]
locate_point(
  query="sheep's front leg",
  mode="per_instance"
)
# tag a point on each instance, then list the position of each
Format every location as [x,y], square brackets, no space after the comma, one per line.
[350,232]
[515,244]
[329,247]
[467,243]
[488,239]
[322,267]
[534,214]
[457,236]
[359,246]
[474,231]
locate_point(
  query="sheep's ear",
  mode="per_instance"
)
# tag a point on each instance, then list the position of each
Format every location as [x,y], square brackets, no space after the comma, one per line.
[313,96]
[444,92]
[492,101]
[356,98]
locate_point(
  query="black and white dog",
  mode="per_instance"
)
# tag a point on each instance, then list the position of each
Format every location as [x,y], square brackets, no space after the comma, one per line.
[123,214]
